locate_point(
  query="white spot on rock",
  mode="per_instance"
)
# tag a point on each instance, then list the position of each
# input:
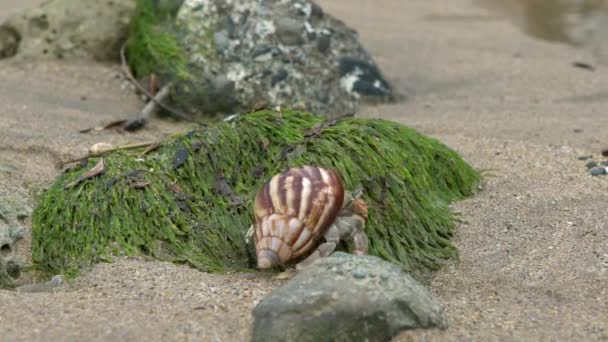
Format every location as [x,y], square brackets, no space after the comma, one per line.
[265,28]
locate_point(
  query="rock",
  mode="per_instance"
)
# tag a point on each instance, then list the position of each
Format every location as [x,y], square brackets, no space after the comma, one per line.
[323,42]
[598,171]
[346,298]
[285,53]
[9,42]
[362,77]
[289,31]
[55,282]
[68,29]
[591,164]
[13,210]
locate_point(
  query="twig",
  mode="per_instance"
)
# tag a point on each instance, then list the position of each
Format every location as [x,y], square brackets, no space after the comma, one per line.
[149,149]
[153,99]
[151,107]
[123,147]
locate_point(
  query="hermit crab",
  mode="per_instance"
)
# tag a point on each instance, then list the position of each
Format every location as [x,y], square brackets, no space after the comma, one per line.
[297,209]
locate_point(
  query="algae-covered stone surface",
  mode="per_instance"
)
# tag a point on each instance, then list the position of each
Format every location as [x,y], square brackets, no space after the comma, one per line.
[190,200]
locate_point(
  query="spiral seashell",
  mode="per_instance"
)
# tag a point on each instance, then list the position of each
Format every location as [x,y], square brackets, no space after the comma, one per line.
[293,211]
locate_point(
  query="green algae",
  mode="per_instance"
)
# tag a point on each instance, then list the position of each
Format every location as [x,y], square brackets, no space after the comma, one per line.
[191,200]
[152,46]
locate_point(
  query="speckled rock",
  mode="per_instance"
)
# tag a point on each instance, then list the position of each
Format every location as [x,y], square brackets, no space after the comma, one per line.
[346,298]
[286,53]
[67,28]
[13,210]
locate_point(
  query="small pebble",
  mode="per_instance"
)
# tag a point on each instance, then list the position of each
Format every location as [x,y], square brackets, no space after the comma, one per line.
[591,164]
[583,157]
[598,171]
[359,274]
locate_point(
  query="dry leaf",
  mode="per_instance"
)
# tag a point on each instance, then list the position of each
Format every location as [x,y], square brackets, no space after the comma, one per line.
[95,171]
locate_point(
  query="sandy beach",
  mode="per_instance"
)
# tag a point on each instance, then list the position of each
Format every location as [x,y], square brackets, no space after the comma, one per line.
[533,242]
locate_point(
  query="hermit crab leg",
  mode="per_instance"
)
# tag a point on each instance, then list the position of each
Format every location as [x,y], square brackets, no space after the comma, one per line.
[332,238]
[360,243]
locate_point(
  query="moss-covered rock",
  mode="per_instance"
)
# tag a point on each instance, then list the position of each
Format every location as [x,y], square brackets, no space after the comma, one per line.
[190,200]
[152,47]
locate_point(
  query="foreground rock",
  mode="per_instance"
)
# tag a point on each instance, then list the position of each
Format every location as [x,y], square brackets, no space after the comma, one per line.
[346,298]
[271,53]
[68,28]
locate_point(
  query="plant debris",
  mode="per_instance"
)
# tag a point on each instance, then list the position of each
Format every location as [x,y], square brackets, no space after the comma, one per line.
[95,171]
[583,65]
[100,152]
[112,124]
[99,148]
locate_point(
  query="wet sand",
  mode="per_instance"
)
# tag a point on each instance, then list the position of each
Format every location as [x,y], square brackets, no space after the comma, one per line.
[533,243]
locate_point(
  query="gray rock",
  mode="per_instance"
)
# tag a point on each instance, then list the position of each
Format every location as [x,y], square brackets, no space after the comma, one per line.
[323,42]
[591,164]
[598,171]
[222,41]
[285,53]
[290,31]
[9,42]
[13,210]
[346,298]
[67,28]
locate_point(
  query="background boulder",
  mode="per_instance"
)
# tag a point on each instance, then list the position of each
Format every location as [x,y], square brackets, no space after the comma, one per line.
[67,29]
[245,54]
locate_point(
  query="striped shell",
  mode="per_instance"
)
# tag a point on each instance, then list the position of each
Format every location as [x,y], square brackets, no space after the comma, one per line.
[293,211]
